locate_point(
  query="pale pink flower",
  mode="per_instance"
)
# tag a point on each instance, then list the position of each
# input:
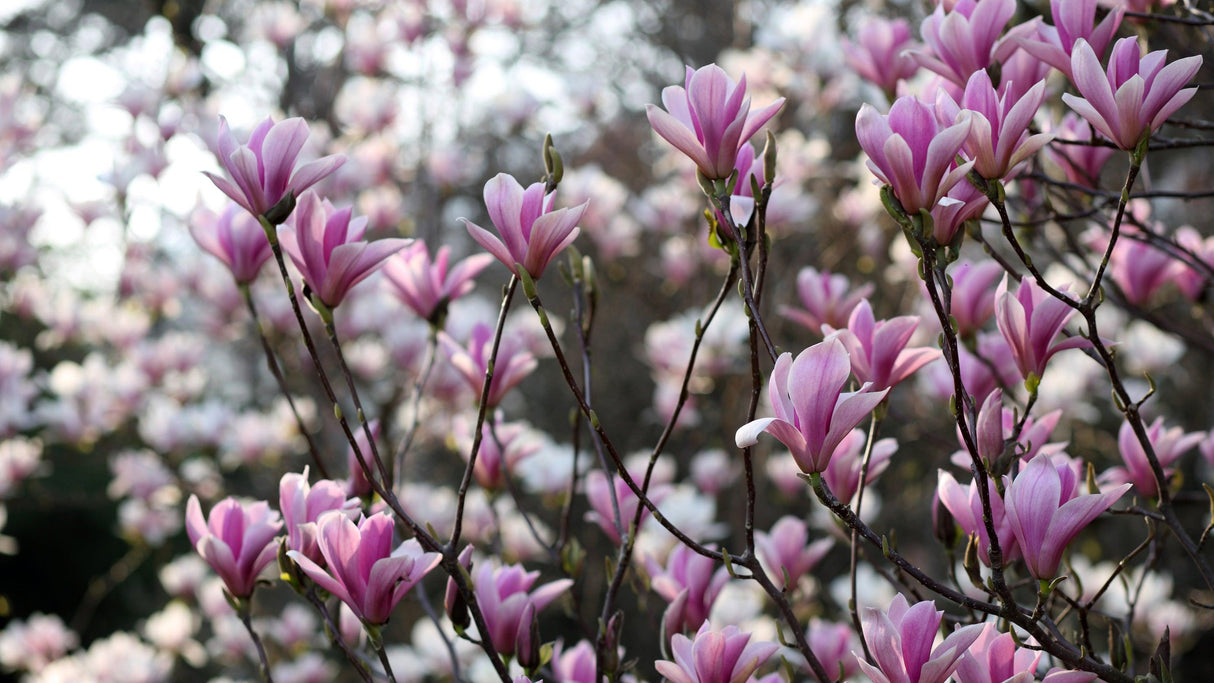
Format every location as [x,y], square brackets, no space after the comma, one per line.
[499,455]
[1136,93]
[826,299]
[877,348]
[709,119]
[973,301]
[426,286]
[833,643]
[725,656]
[237,540]
[912,151]
[812,413]
[531,233]
[966,38]
[1073,20]
[690,583]
[302,504]
[512,365]
[598,494]
[963,202]
[1192,282]
[235,238]
[364,572]
[995,658]
[842,475]
[1030,320]
[1168,443]
[965,505]
[327,247]
[1081,164]
[998,139]
[900,640]
[264,172]
[787,552]
[1046,511]
[879,53]
[503,597]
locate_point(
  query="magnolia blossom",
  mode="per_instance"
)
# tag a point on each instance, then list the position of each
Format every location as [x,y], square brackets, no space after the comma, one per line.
[1073,20]
[965,37]
[531,233]
[1168,443]
[690,583]
[263,172]
[900,640]
[327,247]
[1080,164]
[965,505]
[363,569]
[237,540]
[725,656]
[826,299]
[709,119]
[502,594]
[912,151]
[302,504]
[812,413]
[235,238]
[973,301]
[426,286]
[1030,320]
[877,348]
[879,53]
[512,365]
[1135,95]
[998,139]
[787,552]
[842,475]
[1046,511]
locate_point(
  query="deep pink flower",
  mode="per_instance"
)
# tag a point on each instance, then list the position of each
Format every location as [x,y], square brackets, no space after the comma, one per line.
[263,172]
[877,348]
[787,552]
[426,286]
[690,583]
[965,38]
[502,596]
[531,232]
[1073,20]
[1168,443]
[363,569]
[302,505]
[1030,321]
[1135,95]
[725,656]
[826,299]
[512,365]
[709,119]
[327,247]
[912,151]
[1045,511]
[900,640]
[833,643]
[237,540]
[1080,164]
[234,237]
[998,139]
[879,53]
[1138,267]
[812,413]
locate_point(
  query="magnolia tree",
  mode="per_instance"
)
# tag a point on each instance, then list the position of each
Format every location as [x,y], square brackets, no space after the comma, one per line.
[745,398]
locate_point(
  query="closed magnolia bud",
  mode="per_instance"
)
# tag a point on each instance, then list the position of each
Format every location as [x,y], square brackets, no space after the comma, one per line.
[453,600]
[944,526]
[527,641]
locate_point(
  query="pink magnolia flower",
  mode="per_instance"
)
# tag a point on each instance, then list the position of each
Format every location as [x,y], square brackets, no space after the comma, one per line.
[900,640]
[1080,164]
[512,365]
[842,475]
[598,494]
[995,658]
[690,583]
[426,286]
[973,302]
[998,139]
[1073,20]
[235,238]
[725,656]
[302,505]
[965,505]
[833,643]
[502,595]
[912,151]
[995,426]
[965,38]
[237,540]
[826,299]
[1135,95]
[1168,443]
[263,172]
[363,569]
[328,248]
[1030,321]
[787,552]
[878,347]
[531,232]
[962,203]
[1192,282]
[1045,511]
[498,455]
[812,413]
[879,53]
[575,665]
[709,119]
